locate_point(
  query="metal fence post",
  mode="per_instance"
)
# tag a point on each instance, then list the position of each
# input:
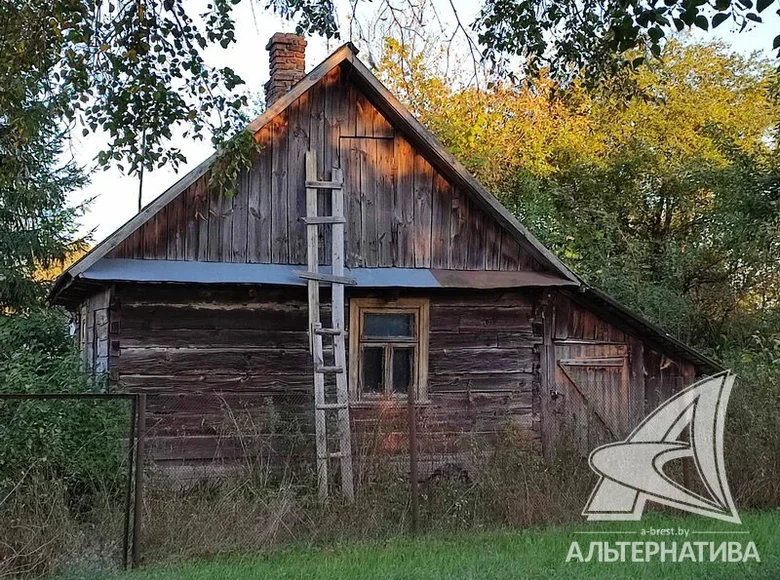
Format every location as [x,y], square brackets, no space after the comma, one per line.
[129,490]
[139,479]
[413,483]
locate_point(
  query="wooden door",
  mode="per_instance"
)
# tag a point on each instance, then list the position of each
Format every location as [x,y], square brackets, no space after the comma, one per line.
[590,397]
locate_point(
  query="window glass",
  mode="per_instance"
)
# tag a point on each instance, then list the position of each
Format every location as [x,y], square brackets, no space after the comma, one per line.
[403,360]
[388,325]
[373,369]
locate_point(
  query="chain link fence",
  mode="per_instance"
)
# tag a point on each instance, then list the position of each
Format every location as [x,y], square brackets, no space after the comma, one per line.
[236,470]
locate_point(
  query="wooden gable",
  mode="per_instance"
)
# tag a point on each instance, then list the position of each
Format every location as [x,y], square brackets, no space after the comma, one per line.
[401,212]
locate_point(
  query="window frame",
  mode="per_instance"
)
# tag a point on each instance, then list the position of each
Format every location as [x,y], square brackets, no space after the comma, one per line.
[358,308]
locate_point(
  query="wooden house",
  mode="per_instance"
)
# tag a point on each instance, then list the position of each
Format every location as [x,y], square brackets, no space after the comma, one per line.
[453,299]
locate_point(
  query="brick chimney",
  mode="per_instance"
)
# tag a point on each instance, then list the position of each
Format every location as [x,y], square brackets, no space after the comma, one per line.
[287,53]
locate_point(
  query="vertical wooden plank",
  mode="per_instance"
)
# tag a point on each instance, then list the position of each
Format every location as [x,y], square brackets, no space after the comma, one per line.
[241,218]
[351,157]
[226,217]
[279,233]
[492,246]
[298,145]
[459,216]
[191,222]
[364,113]
[562,316]
[547,374]
[385,194]
[193,209]
[204,215]
[368,201]
[323,153]
[441,242]
[340,108]
[155,236]
[510,252]
[382,127]
[653,387]
[176,227]
[260,200]
[403,204]
[476,235]
[423,192]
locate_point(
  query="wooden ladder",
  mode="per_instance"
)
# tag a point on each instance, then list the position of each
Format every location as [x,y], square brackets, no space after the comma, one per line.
[336,331]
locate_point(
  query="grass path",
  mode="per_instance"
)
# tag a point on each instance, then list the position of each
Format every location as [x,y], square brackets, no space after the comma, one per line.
[488,555]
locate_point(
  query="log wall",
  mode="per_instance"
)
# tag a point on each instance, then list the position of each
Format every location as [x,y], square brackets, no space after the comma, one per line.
[198,353]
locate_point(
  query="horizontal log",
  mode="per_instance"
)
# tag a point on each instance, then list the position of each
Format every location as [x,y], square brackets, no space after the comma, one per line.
[481,318]
[180,361]
[190,294]
[207,383]
[448,382]
[276,317]
[134,337]
[498,298]
[476,361]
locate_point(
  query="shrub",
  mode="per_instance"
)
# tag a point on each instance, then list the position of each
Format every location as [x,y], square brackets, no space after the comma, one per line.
[61,460]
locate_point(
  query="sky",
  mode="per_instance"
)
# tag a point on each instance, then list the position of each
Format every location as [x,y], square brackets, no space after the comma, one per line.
[114,196]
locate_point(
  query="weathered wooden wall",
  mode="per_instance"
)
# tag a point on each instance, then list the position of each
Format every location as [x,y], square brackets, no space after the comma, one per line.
[198,352]
[606,379]
[400,211]
[93,329]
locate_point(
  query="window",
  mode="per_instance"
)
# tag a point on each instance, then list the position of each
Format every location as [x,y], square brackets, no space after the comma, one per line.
[388,349]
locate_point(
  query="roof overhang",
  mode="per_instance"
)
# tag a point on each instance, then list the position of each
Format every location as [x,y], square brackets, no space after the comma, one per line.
[182,272]
[634,323]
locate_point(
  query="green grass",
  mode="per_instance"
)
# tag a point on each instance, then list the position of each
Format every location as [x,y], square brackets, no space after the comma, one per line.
[486,555]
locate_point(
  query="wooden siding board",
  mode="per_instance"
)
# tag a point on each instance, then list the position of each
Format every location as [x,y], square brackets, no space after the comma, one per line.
[403,205]
[351,155]
[369,197]
[459,216]
[323,153]
[408,214]
[239,237]
[298,145]
[279,222]
[423,190]
[441,248]
[259,239]
[385,195]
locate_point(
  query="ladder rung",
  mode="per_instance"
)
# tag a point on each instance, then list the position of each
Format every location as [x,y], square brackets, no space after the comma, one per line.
[328,331]
[326,278]
[314,184]
[331,406]
[323,219]
[326,369]
[334,455]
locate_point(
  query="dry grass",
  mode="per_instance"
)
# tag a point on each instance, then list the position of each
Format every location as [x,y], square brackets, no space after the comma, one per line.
[41,530]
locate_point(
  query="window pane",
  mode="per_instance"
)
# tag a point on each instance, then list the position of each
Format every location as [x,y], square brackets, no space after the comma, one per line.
[403,360]
[384,325]
[373,369]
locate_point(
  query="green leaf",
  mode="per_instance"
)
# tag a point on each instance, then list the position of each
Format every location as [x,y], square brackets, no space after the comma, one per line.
[655,33]
[702,22]
[776,43]
[753,17]
[718,19]
[762,5]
